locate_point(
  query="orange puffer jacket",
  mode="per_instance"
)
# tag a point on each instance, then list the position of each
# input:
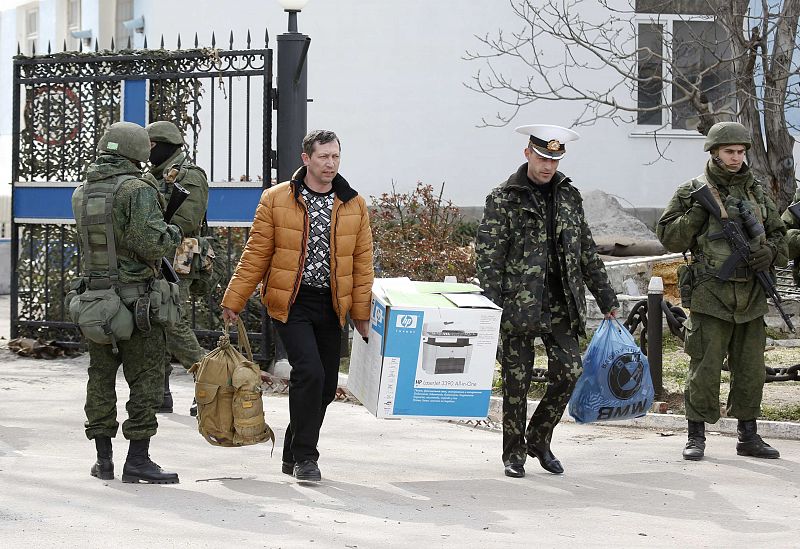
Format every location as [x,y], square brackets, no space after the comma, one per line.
[275,252]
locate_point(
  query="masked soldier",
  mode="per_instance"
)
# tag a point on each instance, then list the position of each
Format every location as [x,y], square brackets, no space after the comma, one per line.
[170,165]
[119,217]
[727,316]
[535,256]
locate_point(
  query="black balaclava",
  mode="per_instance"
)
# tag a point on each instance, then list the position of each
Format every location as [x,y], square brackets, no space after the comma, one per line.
[161,152]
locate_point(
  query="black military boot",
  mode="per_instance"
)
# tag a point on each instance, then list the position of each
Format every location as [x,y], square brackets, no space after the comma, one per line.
[166,406]
[750,443]
[139,467]
[696,445]
[103,468]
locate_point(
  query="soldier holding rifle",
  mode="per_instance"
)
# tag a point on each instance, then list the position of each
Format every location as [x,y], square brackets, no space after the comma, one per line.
[173,170]
[735,235]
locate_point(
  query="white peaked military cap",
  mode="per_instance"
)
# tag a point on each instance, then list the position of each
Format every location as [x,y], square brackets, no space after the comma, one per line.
[548,140]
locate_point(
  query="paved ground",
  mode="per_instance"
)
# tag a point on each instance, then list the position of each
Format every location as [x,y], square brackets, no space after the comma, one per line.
[406,483]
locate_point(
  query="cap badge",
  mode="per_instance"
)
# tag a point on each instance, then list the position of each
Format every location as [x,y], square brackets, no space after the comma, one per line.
[553,145]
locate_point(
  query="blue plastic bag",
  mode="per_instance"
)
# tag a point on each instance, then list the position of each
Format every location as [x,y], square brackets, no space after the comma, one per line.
[616,382]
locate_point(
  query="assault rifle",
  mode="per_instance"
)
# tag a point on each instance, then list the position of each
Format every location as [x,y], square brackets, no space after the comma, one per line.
[178,197]
[739,242]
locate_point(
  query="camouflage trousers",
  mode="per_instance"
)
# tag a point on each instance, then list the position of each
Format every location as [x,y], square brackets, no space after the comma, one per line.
[181,341]
[143,366]
[564,367]
[709,340]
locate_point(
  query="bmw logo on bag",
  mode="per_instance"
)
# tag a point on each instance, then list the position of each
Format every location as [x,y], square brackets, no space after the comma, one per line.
[625,375]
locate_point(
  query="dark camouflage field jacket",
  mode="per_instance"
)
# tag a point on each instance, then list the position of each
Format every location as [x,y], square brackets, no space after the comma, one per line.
[512,250]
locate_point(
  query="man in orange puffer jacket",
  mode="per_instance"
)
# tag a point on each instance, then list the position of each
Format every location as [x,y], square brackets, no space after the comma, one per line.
[310,247]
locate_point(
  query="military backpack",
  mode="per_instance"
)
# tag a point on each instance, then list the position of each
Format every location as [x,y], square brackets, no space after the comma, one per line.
[230,410]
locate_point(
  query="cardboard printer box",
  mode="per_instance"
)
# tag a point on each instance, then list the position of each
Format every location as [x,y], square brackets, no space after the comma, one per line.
[430,352]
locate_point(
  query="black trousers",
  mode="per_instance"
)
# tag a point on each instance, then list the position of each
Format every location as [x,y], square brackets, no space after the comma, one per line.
[312,337]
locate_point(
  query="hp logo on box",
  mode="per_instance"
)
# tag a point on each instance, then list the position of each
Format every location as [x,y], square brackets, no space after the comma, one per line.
[377,314]
[406,321]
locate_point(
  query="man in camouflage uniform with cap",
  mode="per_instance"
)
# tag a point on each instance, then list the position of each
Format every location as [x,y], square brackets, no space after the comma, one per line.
[727,316]
[141,238]
[535,255]
[170,165]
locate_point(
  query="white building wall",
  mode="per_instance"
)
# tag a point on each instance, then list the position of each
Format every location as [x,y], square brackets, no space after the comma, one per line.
[389,78]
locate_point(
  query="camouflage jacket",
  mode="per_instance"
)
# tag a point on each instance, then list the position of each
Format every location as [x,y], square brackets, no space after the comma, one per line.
[793,238]
[189,216]
[740,300]
[137,216]
[512,251]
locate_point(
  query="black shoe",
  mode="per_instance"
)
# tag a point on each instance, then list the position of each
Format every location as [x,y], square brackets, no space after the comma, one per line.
[140,468]
[751,444]
[696,444]
[193,408]
[308,471]
[515,470]
[547,460]
[103,468]
[287,468]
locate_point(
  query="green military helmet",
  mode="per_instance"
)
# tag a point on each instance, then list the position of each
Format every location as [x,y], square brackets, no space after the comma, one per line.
[727,133]
[126,139]
[164,132]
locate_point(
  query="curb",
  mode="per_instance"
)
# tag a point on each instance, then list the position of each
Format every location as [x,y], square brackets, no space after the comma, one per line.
[670,422]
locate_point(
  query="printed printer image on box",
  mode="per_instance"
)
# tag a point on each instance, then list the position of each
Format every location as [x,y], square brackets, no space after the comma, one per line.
[430,352]
[446,347]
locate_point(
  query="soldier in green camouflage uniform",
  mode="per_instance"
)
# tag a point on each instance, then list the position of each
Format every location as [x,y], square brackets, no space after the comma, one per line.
[727,316]
[793,238]
[535,255]
[171,165]
[142,238]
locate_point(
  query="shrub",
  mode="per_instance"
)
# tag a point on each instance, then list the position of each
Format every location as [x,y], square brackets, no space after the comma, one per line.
[420,235]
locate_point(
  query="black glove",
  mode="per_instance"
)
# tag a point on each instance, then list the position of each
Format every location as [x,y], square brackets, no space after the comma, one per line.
[761,258]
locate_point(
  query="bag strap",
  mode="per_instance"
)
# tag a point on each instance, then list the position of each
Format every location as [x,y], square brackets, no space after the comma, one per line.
[243,341]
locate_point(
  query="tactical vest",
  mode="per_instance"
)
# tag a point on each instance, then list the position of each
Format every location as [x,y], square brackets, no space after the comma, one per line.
[711,254]
[96,301]
[100,252]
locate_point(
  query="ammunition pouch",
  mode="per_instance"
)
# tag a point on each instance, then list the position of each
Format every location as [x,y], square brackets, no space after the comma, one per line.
[101,316]
[165,302]
[184,256]
[76,286]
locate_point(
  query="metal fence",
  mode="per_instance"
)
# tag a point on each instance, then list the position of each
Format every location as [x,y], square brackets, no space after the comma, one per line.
[222,99]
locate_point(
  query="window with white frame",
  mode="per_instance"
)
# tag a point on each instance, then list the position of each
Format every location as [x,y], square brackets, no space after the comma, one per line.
[31,30]
[677,54]
[73,23]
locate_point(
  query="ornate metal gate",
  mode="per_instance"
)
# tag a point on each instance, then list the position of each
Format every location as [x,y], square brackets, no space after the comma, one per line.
[62,103]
